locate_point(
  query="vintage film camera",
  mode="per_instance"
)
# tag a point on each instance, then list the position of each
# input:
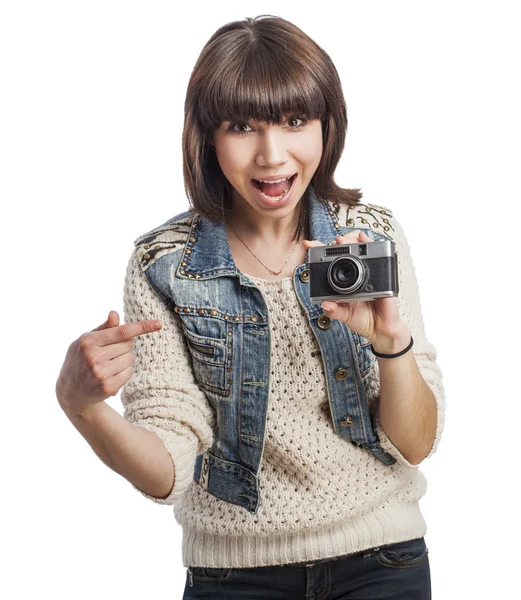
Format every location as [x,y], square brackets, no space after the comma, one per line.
[358,271]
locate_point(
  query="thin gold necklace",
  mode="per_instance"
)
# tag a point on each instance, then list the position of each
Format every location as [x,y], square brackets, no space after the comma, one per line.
[272,272]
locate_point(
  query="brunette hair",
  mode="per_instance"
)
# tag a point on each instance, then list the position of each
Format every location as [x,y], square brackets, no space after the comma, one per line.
[261,68]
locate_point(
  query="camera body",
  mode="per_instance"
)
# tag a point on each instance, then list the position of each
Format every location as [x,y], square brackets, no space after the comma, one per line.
[353,272]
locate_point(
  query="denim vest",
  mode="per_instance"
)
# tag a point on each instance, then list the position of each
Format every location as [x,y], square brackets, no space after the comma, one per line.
[225,322]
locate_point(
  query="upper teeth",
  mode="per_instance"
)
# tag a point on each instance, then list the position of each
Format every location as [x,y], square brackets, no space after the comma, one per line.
[276,181]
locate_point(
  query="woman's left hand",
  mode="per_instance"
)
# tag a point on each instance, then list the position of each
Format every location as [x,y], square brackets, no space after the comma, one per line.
[378,320]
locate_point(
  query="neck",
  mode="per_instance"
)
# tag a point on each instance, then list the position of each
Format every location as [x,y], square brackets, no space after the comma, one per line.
[267,231]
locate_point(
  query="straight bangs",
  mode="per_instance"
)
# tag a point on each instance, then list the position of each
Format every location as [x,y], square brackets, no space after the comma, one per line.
[262,85]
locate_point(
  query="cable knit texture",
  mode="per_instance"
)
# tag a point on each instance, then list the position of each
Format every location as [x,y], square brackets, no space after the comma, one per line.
[321,496]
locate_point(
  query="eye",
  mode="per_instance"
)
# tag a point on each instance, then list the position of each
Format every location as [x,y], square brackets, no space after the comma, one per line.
[304,121]
[231,128]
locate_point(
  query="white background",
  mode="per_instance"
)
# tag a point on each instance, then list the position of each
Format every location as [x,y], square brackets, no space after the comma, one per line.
[91,115]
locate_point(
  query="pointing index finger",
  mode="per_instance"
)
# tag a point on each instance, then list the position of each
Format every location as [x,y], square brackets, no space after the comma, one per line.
[127,331]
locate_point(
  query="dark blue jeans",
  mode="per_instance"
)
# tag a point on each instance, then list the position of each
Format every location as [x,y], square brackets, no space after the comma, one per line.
[393,572]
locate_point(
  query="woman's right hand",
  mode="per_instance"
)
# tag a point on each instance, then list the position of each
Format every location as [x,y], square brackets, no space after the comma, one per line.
[99,363]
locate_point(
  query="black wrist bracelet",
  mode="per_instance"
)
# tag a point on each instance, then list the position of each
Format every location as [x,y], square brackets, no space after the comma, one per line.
[380,355]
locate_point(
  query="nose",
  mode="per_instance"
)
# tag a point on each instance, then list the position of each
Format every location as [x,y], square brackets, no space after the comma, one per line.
[271,148]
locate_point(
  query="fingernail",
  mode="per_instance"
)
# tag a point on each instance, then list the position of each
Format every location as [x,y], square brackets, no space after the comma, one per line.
[327,308]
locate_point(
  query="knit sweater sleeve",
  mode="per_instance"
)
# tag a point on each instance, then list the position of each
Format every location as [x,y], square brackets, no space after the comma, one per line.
[424,352]
[162,395]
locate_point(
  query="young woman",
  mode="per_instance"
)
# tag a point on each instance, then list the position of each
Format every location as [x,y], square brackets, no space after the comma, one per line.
[286,433]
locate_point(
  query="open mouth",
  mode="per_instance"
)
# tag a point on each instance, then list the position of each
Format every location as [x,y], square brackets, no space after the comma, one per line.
[276,187]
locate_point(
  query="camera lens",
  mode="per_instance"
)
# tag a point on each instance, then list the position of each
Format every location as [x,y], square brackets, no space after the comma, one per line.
[345,274]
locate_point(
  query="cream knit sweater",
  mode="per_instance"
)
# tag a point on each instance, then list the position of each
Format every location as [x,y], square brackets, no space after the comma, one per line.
[321,496]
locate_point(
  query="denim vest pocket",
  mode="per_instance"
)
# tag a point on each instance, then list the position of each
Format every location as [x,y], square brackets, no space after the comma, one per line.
[366,358]
[208,361]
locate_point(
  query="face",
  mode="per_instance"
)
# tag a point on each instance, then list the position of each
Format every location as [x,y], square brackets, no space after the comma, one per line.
[255,150]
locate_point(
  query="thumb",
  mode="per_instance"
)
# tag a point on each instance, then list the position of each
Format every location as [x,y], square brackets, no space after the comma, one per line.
[112,321]
[311,243]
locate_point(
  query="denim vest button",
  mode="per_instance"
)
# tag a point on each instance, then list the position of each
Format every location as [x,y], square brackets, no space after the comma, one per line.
[324,322]
[341,374]
[254,318]
[347,422]
[304,276]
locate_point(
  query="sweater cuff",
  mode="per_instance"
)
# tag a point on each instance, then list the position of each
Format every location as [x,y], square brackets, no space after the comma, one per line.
[183,452]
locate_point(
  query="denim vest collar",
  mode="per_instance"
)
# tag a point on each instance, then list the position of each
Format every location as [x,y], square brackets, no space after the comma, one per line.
[207,252]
